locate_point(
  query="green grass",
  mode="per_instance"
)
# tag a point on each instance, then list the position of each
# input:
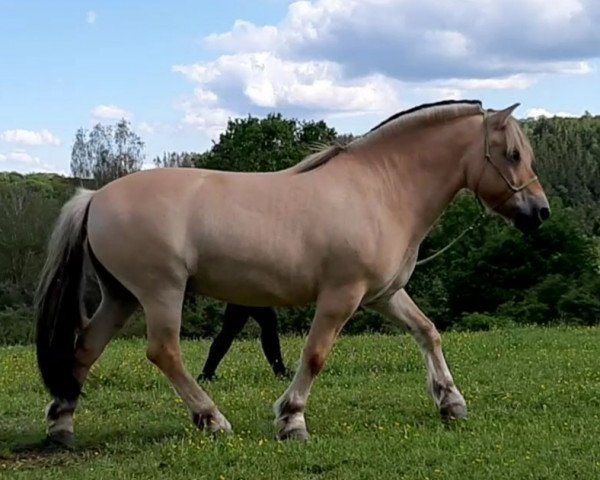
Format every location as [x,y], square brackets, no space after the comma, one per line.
[533,394]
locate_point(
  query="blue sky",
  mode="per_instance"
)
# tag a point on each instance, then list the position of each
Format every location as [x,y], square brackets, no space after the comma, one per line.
[179,69]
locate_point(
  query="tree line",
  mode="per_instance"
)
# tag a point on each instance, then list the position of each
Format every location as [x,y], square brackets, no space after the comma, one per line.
[494,277]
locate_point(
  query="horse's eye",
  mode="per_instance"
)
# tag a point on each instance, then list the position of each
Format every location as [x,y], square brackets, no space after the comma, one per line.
[514,156]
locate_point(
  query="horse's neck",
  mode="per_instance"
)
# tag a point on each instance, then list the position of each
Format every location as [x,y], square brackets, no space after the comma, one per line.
[421,171]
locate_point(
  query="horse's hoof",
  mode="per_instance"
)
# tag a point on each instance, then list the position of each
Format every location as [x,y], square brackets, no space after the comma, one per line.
[212,422]
[62,438]
[455,411]
[299,434]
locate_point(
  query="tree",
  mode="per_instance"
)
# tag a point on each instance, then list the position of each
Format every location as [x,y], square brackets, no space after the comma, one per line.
[567,154]
[107,152]
[493,277]
[175,159]
[27,210]
[345,138]
[497,271]
[268,144]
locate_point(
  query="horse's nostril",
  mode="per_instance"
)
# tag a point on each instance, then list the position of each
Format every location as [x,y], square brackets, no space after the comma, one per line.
[544,213]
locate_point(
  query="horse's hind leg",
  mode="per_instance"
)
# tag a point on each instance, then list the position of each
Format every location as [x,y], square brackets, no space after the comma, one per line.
[114,310]
[446,395]
[163,318]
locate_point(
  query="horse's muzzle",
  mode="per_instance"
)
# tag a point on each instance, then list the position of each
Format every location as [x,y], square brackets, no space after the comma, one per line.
[530,217]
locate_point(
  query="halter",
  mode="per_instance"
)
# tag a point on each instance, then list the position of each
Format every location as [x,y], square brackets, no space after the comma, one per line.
[488,158]
[513,190]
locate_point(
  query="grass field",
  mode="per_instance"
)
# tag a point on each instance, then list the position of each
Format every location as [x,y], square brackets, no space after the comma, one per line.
[533,394]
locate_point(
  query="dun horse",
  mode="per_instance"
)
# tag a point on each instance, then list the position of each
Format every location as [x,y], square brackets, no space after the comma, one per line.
[341,228]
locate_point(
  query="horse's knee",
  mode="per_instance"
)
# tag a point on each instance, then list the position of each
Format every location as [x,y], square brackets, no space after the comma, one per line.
[87,352]
[157,354]
[427,335]
[153,354]
[161,355]
[435,339]
[166,357]
[315,361]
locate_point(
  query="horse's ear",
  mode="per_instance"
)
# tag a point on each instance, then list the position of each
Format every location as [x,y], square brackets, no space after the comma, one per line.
[499,119]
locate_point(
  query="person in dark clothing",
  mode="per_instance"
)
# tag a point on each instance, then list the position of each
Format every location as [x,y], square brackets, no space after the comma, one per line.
[236,317]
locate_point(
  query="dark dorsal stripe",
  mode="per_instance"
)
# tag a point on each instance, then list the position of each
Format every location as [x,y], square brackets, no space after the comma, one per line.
[423,107]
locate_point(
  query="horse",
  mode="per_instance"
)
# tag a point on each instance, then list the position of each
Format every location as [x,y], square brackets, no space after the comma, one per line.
[234,320]
[341,228]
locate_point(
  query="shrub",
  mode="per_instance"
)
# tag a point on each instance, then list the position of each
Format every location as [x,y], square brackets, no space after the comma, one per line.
[482,322]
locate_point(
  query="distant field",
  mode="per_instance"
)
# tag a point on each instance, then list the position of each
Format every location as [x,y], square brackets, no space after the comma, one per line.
[533,394]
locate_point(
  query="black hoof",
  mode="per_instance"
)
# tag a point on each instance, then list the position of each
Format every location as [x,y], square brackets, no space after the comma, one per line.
[62,438]
[454,411]
[299,434]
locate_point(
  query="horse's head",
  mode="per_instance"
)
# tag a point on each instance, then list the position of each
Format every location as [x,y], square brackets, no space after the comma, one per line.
[503,176]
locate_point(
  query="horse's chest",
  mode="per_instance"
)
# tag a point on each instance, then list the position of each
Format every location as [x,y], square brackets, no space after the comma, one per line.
[396,278]
[402,276]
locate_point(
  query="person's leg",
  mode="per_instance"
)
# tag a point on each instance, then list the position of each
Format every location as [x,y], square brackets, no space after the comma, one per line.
[269,337]
[235,318]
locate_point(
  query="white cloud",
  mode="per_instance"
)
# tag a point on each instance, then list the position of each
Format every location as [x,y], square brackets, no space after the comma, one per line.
[21,156]
[210,120]
[268,81]
[244,36]
[429,39]
[341,58]
[517,82]
[20,161]
[29,137]
[542,112]
[265,81]
[91,17]
[110,112]
[146,128]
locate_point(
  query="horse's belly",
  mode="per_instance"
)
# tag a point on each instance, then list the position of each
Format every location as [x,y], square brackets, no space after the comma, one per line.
[235,283]
[250,267]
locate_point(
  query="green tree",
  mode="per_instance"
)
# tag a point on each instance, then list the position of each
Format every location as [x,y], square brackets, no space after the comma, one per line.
[28,206]
[493,277]
[496,270]
[273,143]
[568,159]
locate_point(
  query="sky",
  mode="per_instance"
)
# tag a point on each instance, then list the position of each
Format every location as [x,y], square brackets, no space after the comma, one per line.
[178,70]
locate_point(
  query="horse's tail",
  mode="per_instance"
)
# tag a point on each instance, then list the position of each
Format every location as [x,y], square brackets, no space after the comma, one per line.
[58,298]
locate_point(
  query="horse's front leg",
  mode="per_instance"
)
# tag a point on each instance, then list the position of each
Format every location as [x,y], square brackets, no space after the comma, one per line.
[334,308]
[401,308]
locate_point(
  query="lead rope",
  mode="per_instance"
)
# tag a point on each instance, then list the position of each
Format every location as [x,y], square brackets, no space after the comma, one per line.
[475,223]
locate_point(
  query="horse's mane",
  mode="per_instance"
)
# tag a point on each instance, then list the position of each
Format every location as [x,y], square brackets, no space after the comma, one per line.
[422,114]
[318,158]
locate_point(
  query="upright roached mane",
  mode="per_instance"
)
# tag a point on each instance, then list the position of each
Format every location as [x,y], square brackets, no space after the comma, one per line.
[414,117]
[344,236]
[316,159]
